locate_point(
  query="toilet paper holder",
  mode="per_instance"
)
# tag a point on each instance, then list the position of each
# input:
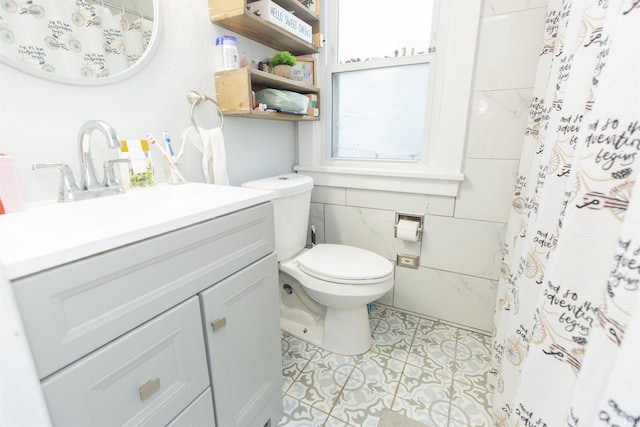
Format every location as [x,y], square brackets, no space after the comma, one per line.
[409,217]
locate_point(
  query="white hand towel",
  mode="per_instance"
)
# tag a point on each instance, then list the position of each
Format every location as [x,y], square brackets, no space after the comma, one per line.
[214,159]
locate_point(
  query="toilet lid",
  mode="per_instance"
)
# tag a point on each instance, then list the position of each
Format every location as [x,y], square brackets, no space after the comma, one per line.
[341,262]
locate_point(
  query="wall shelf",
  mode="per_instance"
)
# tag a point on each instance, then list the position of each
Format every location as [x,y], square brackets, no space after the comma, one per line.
[234,87]
[233,15]
[233,93]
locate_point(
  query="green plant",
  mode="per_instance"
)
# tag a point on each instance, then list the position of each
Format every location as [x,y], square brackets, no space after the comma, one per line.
[282,58]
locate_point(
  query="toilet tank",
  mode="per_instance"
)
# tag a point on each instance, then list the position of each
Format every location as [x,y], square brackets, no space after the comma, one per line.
[291,205]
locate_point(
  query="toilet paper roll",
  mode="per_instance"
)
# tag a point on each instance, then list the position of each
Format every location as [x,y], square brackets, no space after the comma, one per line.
[407,230]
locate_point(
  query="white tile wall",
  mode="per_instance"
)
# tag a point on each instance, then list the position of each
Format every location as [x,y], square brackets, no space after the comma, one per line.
[316,217]
[333,195]
[463,246]
[466,300]
[508,50]
[370,229]
[401,202]
[487,190]
[498,7]
[498,120]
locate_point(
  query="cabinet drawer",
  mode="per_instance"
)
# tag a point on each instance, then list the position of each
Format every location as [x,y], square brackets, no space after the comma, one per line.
[72,310]
[198,414]
[143,378]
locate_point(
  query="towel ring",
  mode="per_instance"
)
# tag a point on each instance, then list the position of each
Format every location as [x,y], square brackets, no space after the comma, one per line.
[196,98]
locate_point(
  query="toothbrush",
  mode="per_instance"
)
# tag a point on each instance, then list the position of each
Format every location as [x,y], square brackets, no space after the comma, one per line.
[183,136]
[154,142]
[167,141]
[164,152]
[167,158]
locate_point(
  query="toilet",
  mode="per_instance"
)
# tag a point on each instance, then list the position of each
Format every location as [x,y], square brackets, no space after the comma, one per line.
[324,289]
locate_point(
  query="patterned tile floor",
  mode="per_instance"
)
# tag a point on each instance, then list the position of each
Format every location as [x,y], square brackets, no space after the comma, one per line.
[426,370]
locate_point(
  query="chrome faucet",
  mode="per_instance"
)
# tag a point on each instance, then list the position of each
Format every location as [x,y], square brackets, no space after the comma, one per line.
[88,176]
[90,186]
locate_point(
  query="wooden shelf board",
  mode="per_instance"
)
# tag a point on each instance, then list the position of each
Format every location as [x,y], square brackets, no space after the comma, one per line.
[268,80]
[277,82]
[257,114]
[263,32]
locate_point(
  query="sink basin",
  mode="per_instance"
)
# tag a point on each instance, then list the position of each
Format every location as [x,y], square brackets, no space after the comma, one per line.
[49,234]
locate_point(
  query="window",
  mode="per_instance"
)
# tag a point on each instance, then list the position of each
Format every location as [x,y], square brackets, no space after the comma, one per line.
[368,29]
[375,95]
[385,120]
[371,108]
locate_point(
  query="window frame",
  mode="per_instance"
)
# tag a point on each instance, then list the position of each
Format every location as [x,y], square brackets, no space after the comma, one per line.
[440,170]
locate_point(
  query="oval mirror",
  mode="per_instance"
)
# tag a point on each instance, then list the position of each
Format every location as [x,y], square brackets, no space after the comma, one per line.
[82,42]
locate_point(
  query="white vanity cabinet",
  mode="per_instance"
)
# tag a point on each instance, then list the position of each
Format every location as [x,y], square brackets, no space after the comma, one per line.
[124,337]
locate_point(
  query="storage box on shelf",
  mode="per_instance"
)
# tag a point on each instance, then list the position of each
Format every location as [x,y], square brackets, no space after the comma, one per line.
[272,12]
[233,93]
[239,17]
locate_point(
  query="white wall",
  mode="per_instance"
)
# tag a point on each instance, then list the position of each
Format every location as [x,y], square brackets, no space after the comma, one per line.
[40,119]
[461,252]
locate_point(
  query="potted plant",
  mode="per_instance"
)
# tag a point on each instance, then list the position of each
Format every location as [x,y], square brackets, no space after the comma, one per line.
[282,63]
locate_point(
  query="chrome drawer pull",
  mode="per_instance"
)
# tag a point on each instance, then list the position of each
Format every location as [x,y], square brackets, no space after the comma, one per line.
[149,388]
[217,324]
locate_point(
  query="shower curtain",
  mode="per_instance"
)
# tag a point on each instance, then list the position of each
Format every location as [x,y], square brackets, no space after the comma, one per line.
[566,345]
[72,38]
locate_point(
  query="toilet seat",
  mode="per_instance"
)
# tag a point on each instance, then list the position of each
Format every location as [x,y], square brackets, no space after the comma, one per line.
[345,264]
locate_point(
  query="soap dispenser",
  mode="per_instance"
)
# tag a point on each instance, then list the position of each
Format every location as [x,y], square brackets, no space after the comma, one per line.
[10,195]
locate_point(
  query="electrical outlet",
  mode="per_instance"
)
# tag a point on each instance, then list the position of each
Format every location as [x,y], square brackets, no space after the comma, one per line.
[405,260]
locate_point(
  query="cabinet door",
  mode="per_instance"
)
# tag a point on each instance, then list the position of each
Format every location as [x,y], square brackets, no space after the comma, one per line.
[242,328]
[144,378]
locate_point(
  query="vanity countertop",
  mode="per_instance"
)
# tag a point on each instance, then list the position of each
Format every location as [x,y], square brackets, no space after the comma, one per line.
[50,234]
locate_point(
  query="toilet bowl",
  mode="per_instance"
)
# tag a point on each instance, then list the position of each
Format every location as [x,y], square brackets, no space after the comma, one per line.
[343,279]
[325,289]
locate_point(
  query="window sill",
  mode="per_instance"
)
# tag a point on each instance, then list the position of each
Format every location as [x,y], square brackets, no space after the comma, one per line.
[436,183]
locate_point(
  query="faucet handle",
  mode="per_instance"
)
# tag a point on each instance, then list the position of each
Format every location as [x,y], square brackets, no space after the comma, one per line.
[68,185]
[110,176]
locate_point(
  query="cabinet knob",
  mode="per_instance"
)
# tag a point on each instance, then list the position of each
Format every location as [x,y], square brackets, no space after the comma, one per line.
[219,323]
[147,389]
